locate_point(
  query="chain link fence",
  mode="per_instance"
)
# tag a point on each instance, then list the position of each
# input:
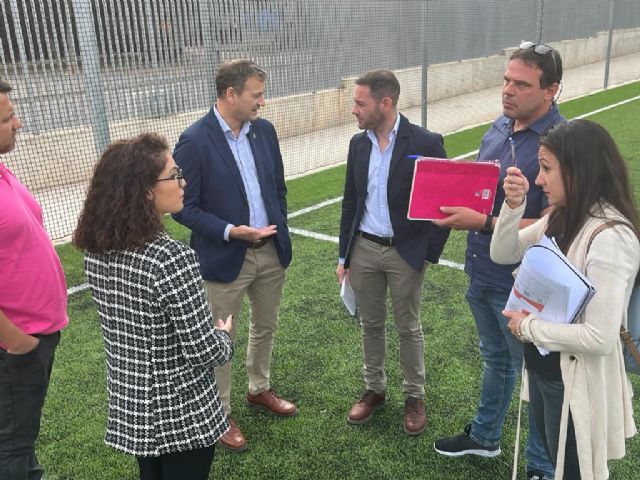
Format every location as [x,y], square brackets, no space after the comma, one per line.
[87,72]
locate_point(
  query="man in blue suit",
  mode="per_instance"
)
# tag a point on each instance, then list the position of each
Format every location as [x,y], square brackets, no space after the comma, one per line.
[235,205]
[380,248]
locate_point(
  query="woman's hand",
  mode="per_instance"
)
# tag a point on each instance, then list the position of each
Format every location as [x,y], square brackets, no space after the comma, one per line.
[515,321]
[225,325]
[515,187]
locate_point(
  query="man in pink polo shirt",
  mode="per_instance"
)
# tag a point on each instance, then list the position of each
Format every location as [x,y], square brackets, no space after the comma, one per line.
[33,310]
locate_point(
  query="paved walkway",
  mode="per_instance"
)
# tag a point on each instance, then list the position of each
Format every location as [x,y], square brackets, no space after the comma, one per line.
[327,148]
[322,148]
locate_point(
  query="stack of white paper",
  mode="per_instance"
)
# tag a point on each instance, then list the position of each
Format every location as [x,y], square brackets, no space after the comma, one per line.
[548,286]
[348,297]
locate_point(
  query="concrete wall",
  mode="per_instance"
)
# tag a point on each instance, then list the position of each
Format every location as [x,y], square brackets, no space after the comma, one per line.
[300,114]
[67,157]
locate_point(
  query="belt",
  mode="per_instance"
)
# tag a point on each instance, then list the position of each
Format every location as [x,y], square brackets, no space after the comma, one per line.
[259,243]
[384,241]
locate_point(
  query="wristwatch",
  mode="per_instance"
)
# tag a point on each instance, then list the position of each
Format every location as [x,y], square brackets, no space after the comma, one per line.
[488,225]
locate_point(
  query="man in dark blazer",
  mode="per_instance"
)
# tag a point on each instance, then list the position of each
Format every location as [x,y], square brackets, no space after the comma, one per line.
[235,205]
[380,248]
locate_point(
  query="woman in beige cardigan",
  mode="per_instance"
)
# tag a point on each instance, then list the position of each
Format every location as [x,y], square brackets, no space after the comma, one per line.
[579,393]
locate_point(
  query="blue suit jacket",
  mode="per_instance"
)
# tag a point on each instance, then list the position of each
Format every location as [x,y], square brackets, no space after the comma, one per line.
[416,241]
[215,196]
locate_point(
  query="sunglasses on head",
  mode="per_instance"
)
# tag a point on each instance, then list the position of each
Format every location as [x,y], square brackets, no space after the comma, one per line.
[540,49]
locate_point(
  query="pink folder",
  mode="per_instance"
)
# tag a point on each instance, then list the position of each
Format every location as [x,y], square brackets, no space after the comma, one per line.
[438,182]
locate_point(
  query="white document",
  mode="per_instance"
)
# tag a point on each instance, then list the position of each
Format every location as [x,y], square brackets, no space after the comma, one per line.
[348,297]
[548,286]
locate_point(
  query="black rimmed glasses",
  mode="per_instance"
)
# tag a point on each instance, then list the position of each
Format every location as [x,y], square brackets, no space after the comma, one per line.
[176,176]
[540,49]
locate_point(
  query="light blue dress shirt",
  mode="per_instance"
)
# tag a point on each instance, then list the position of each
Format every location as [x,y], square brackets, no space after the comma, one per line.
[376,219]
[241,150]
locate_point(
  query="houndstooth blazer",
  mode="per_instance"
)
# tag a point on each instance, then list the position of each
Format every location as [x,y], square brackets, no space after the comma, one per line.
[160,346]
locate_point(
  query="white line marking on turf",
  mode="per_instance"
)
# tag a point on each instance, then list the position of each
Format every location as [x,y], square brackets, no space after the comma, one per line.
[317,236]
[329,238]
[584,115]
[77,289]
[331,201]
[466,155]
[608,107]
[450,264]
[317,206]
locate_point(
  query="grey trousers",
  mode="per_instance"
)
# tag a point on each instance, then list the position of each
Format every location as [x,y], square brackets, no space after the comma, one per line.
[374,268]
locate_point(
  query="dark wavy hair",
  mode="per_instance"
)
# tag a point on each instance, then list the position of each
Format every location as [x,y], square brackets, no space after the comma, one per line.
[593,174]
[549,64]
[119,213]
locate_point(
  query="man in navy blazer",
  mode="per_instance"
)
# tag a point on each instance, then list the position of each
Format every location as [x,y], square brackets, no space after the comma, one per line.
[380,248]
[235,205]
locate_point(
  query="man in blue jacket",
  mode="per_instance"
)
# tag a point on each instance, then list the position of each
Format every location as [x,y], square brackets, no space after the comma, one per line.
[235,205]
[380,248]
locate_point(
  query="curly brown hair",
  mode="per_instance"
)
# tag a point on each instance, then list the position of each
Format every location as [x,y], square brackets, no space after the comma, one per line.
[119,213]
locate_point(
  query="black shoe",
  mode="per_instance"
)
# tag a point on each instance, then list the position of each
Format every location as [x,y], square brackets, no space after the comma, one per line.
[536,475]
[463,444]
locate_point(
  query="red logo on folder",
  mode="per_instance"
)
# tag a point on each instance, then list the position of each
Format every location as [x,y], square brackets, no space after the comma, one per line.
[537,305]
[439,182]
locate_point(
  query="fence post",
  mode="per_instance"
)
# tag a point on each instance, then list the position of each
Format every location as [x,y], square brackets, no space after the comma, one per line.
[424,50]
[540,20]
[23,62]
[612,8]
[90,65]
[206,20]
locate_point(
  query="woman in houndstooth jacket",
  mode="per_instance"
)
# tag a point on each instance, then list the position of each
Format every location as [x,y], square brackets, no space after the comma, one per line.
[160,341]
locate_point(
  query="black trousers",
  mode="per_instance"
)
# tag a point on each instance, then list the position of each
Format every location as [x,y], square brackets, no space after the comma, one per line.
[546,398]
[24,380]
[190,464]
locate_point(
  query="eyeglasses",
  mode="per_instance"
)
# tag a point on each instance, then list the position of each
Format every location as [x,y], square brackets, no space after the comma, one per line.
[541,49]
[176,176]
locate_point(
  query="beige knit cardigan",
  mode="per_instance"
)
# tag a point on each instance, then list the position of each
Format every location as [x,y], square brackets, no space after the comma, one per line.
[597,390]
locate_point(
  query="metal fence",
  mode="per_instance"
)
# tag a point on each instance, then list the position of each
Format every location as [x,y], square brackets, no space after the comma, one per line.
[89,71]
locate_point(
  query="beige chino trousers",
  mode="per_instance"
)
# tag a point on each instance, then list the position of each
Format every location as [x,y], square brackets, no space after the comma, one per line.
[374,268]
[261,278]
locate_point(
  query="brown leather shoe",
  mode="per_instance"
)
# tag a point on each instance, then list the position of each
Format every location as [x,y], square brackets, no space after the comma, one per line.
[269,401]
[234,439]
[362,411]
[415,418]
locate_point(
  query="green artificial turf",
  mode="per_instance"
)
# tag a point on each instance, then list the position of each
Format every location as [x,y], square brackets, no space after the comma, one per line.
[317,361]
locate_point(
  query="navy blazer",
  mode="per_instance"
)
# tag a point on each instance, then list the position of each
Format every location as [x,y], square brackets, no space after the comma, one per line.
[416,241]
[215,196]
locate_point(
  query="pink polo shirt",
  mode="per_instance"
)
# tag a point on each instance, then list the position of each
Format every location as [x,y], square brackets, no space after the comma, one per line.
[33,292]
